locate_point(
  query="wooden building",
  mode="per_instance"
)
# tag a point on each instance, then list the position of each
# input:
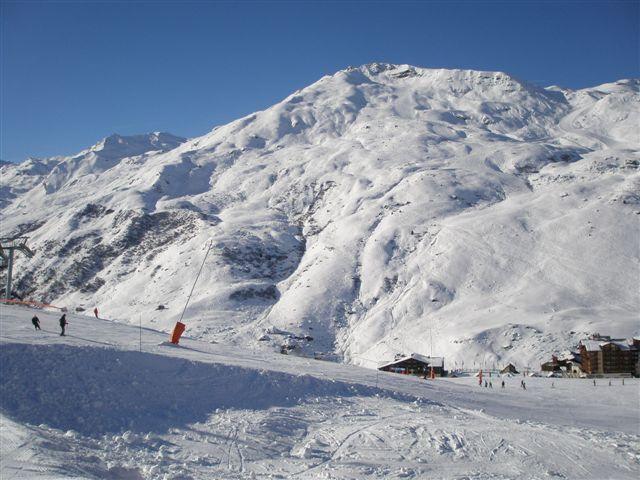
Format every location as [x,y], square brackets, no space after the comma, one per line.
[415,364]
[568,365]
[604,356]
[511,368]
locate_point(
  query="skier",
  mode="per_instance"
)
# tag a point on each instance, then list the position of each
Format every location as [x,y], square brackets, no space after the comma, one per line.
[63,323]
[502,383]
[594,382]
[36,322]
[524,385]
[490,384]
[95,312]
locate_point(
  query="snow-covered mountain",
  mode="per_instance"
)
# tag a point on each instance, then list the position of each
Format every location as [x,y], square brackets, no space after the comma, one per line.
[383,209]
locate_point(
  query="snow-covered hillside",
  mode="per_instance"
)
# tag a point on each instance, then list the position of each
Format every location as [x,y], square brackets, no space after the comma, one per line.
[383,209]
[94,405]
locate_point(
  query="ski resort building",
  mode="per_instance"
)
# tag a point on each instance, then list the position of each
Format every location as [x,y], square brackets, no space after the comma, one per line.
[415,364]
[603,355]
[511,368]
[567,365]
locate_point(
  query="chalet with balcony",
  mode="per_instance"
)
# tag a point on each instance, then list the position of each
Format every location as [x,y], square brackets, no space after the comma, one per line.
[415,364]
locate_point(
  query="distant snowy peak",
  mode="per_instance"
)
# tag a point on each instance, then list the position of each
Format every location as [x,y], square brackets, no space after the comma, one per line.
[107,154]
[19,178]
[30,166]
[128,146]
[55,172]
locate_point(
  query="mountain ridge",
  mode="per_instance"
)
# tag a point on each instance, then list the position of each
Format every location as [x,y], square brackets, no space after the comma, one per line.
[380,210]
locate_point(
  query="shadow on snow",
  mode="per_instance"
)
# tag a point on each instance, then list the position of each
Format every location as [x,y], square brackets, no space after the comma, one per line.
[100,390]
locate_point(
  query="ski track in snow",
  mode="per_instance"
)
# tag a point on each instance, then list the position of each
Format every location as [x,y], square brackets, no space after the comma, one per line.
[215,411]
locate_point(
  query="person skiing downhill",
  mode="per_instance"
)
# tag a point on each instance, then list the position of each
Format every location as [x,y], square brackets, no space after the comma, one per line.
[63,324]
[36,322]
[95,312]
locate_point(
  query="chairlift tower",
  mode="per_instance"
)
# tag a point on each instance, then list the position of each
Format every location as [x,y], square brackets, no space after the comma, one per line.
[7,248]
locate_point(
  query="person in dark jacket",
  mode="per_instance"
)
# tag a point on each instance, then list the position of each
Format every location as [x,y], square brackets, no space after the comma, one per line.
[63,323]
[36,322]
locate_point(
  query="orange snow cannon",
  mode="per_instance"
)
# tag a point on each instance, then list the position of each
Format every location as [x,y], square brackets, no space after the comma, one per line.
[178,330]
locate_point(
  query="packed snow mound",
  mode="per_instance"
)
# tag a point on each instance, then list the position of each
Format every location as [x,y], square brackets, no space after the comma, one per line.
[95,391]
[384,209]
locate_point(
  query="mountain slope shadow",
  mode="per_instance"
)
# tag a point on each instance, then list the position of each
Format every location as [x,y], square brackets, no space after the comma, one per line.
[100,390]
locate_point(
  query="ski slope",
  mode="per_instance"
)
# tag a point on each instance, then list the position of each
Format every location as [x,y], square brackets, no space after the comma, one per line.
[97,403]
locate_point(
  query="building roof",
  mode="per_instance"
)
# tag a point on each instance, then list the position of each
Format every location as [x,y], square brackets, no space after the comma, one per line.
[567,356]
[591,345]
[431,361]
[596,345]
[621,345]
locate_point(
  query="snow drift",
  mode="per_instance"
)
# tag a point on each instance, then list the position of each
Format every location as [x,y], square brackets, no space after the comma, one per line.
[95,391]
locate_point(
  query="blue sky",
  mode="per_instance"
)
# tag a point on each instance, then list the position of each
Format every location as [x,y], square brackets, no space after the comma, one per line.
[74,72]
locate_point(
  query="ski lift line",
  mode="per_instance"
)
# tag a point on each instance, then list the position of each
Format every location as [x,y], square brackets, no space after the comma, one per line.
[8,247]
[195,281]
[32,303]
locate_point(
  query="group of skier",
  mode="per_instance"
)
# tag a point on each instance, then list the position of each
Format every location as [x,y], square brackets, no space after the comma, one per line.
[489,384]
[62,322]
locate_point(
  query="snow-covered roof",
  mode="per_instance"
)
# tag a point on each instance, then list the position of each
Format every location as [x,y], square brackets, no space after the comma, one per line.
[431,361]
[591,345]
[621,345]
[596,345]
[567,356]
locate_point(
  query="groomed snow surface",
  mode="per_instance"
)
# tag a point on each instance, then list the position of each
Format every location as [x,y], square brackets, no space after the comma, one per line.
[94,405]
